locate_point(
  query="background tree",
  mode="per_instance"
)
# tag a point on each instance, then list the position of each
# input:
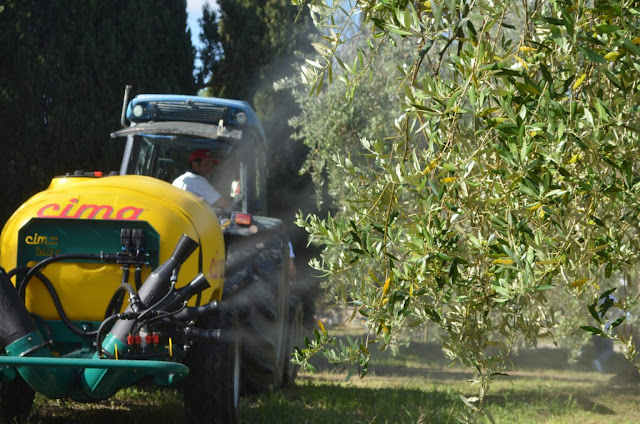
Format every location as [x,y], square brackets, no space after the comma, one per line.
[247,47]
[331,126]
[512,176]
[63,71]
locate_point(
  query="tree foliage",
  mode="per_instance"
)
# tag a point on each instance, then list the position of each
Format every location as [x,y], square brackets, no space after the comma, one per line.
[247,44]
[330,126]
[511,179]
[63,71]
[247,47]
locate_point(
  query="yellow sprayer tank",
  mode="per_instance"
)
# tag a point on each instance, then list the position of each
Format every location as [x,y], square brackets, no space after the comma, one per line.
[81,214]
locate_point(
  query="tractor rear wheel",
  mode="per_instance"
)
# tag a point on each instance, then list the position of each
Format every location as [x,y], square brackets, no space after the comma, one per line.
[295,336]
[16,399]
[212,389]
[260,288]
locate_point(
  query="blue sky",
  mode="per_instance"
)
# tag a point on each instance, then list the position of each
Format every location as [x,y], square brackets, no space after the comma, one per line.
[194,12]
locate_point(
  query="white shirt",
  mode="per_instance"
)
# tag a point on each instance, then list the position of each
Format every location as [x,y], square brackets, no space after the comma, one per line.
[197,185]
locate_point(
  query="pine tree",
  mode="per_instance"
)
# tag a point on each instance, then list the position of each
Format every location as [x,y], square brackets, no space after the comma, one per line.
[65,64]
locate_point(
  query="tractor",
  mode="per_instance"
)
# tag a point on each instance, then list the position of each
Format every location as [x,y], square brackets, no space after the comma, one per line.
[110,281]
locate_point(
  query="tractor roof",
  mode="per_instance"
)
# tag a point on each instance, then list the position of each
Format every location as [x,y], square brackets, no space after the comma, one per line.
[194,129]
[234,114]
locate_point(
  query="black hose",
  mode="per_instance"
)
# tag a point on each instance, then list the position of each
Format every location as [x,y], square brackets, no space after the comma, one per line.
[116,300]
[15,271]
[44,324]
[54,297]
[125,274]
[190,313]
[103,327]
[159,302]
[115,304]
[161,315]
[37,267]
[99,336]
[137,276]
[35,271]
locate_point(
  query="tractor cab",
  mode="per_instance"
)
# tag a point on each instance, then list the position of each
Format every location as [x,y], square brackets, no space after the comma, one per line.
[113,281]
[166,129]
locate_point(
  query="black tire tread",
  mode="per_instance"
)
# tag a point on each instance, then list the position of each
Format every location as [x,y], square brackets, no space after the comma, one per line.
[209,389]
[295,336]
[16,400]
[261,287]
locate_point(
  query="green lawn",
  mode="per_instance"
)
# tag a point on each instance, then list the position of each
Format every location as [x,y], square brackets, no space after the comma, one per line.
[415,387]
[420,388]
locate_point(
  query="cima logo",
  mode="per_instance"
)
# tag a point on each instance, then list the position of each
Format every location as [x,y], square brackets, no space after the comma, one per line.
[45,245]
[76,210]
[41,240]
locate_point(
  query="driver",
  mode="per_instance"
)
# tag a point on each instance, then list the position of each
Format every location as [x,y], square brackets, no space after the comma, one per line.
[196,181]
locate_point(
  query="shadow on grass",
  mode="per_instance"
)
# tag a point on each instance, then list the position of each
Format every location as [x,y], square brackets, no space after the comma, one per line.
[329,404]
[140,405]
[558,403]
[319,399]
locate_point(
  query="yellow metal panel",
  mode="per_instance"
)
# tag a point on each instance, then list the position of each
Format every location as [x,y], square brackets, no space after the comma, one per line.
[85,288]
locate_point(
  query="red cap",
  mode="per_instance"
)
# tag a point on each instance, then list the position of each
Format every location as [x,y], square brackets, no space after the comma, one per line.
[203,154]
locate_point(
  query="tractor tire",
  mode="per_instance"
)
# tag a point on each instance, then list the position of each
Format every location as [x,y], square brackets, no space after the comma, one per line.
[16,399]
[257,283]
[295,336]
[212,389]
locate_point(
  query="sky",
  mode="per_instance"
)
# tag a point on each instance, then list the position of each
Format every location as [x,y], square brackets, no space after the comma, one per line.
[194,12]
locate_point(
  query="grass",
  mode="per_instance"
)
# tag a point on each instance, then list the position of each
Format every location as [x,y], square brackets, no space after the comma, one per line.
[132,405]
[415,387]
[410,392]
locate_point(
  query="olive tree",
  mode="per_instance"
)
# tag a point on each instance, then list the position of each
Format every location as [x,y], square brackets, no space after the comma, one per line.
[511,179]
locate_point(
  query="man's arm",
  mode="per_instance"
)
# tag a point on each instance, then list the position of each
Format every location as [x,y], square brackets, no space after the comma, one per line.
[222,203]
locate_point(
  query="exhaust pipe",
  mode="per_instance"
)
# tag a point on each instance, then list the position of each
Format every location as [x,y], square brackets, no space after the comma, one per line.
[125,101]
[19,336]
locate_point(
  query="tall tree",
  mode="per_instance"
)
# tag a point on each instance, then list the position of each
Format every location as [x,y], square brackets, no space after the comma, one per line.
[249,44]
[64,68]
[511,179]
[247,47]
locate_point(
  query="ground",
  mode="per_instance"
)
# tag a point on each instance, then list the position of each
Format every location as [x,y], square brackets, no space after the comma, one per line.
[416,386]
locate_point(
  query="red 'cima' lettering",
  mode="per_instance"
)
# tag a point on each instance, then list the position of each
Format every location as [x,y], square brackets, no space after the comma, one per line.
[75,210]
[216,267]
